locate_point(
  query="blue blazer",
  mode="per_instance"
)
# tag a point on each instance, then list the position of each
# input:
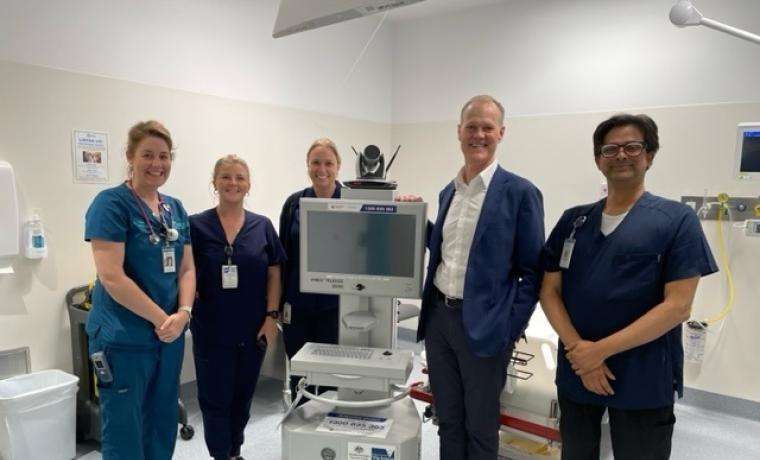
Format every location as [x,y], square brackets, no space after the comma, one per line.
[504,266]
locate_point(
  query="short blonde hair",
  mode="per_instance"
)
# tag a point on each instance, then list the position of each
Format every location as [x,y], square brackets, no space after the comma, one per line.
[480,99]
[323,142]
[229,160]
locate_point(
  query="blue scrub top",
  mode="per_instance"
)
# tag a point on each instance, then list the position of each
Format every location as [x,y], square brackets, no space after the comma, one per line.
[232,316]
[115,215]
[614,280]
[304,301]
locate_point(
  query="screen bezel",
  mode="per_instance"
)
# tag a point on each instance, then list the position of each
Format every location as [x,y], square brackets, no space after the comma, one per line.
[374,285]
[741,129]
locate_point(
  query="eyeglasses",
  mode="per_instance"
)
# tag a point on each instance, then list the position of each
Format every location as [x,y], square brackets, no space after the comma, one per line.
[631,149]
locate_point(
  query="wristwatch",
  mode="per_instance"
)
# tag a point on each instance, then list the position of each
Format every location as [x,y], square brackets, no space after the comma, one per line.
[188,310]
[274,314]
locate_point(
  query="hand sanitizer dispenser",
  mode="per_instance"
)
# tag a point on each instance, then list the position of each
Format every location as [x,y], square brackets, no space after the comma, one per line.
[9,224]
[36,243]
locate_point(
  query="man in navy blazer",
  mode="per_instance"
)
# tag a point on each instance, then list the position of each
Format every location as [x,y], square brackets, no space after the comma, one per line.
[482,285]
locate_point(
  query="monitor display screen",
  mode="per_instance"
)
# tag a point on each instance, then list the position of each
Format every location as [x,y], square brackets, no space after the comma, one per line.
[361,243]
[750,152]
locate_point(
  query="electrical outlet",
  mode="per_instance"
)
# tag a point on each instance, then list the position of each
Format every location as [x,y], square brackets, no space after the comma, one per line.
[753,228]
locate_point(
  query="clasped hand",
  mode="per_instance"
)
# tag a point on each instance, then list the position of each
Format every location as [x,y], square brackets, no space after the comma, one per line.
[585,356]
[173,326]
[587,360]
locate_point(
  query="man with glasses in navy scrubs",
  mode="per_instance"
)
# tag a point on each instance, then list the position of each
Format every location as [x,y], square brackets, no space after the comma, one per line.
[620,279]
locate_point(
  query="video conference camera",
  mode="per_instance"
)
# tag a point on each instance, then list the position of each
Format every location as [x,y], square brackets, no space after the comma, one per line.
[371,169]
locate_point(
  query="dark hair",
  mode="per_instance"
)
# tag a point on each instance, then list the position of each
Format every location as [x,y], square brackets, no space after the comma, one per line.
[642,122]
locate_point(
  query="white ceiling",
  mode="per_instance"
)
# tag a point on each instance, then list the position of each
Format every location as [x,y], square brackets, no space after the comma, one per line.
[429,8]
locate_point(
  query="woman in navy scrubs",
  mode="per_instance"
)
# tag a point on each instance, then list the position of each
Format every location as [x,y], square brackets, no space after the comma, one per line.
[141,302]
[308,317]
[238,257]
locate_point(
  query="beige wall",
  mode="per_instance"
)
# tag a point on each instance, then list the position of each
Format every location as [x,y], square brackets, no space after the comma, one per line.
[39,108]
[697,153]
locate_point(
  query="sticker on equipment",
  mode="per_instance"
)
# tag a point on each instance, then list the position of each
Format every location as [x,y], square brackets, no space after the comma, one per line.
[363,451]
[356,425]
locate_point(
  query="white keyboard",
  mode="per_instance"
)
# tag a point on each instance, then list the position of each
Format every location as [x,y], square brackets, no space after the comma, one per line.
[352,363]
[337,351]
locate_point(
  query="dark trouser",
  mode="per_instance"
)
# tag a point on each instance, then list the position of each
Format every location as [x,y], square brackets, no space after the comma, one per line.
[466,388]
[319,327]
[636,434]
[227,377]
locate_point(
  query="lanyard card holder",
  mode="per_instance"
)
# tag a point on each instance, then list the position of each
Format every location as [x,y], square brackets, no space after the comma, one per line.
[229,277]
[169,259]
[569,245]
[567,253]
[229,271]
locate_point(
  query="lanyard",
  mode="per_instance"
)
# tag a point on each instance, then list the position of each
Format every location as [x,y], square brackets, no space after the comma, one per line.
[577,223]
[228,250]
[569,245]
[170,233]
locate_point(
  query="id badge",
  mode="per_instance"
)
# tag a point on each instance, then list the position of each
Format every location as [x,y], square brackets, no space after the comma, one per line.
[169,261]
[286,313]
[567,253]
[229,277]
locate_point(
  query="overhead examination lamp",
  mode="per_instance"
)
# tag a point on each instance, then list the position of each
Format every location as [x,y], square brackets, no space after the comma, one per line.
[684,14]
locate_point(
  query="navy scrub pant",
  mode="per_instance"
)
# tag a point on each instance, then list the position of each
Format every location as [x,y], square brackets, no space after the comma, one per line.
[466,388]
[306,326]
[227,377]
[138,409]
[636,434]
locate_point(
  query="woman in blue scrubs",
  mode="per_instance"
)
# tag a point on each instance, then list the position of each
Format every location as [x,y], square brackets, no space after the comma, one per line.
[141,301]
[308,317]
[238,257]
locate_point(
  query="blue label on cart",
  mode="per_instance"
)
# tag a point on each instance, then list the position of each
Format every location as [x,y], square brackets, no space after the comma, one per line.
[380,208]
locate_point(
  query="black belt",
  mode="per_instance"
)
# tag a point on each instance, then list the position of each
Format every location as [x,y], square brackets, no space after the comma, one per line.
[451,302]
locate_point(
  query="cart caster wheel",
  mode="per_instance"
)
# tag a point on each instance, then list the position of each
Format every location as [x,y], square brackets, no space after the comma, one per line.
[186,432]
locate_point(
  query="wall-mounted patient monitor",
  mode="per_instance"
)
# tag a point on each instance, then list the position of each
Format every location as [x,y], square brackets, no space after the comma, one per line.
[748,151]
[363,248]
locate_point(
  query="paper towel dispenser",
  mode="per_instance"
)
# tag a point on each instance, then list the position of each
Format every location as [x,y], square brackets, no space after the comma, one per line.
[9,224]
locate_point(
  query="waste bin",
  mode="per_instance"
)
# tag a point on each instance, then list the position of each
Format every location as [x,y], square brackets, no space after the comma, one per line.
[38,416]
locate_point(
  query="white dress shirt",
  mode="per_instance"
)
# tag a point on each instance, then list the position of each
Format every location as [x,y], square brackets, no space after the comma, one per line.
[459,230]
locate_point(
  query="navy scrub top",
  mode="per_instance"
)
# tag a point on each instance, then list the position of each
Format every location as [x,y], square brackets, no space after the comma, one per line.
[231,316]
[115,215]
[303,301]
[614,280]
